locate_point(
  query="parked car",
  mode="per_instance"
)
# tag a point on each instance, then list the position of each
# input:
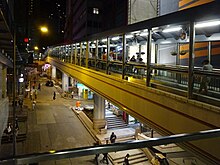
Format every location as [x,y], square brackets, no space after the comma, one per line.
[49,83]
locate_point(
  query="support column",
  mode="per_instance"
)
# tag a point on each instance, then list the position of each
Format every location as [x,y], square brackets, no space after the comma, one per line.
[87,54]
[99,112]
[54,74]
[191,60]
[209,51]
[65,82]
[1,77]
[149,44]
[4,83]
[123,56]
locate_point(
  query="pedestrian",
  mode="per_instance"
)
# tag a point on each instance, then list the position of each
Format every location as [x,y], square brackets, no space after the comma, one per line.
[33,105]
[96,155]
[113,137]
[9,131]
[72,93]
[35,94]
[205,80]
[20,102]
[126,161]
[16,126]
[54,95]
[31,95]
[39,86]
[105,158]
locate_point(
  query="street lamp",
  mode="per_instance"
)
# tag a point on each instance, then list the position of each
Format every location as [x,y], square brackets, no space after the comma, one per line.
[36,48]
[44,29]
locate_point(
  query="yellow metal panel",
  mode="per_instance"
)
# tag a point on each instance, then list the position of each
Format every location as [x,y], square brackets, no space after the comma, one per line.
[166,113]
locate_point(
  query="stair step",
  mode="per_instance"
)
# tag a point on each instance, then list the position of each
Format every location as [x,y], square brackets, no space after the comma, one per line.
[133,161]
[116,122]
[113,117]
[132,158]
[139,161]
[116,126]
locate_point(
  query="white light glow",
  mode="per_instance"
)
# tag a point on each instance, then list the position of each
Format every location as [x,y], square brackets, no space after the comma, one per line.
[144,34]
[115,38]
[171,29]
[135,32]
[21,79]
[104,40]
[129,36]
[166,42]
[207,24]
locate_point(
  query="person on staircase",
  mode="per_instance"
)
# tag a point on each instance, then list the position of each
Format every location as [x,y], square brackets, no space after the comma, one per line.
[113,138]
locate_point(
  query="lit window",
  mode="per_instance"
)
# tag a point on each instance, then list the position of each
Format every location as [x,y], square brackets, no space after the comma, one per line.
[95,11]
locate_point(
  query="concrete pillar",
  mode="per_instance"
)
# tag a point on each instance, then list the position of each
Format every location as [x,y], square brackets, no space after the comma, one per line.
[4,102]
[54,72]
[4,113]
[1,77]
[99,112]
[4,82]
[65,82]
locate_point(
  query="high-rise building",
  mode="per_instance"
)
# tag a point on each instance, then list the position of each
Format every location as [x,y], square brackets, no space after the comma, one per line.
[86,17]
[32,14]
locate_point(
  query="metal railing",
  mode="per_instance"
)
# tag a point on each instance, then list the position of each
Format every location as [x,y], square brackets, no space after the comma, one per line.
[92,150]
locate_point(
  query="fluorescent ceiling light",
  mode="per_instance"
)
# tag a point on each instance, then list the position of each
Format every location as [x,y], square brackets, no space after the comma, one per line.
[104,40]
[172,29]
[144,34]
[129,36]
[207,24]
[115,38]
[135,32]
[166,42]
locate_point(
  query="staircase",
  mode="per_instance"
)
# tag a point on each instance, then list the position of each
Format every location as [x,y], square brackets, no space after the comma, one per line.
[115,122]
[137,157]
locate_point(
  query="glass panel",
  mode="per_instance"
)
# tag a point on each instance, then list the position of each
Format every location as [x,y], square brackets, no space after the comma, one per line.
[207,52]
[83,54]
[169,58]
[115,54]
[102,54]
[78,53]
[92,54]
[136,54]
[73,53]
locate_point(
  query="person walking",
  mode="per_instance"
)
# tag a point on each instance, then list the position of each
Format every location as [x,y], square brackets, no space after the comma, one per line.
[54,95]
[33,105]
[16,126]
[96,155]
[9,131]
[105,158]
[72,94]
[39,86]
[205,80]
[126,161]
[113,137]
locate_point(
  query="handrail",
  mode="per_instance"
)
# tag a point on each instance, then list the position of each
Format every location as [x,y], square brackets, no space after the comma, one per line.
[85,151]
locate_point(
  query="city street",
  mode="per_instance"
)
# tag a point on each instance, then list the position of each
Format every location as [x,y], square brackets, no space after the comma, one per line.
[53,126]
